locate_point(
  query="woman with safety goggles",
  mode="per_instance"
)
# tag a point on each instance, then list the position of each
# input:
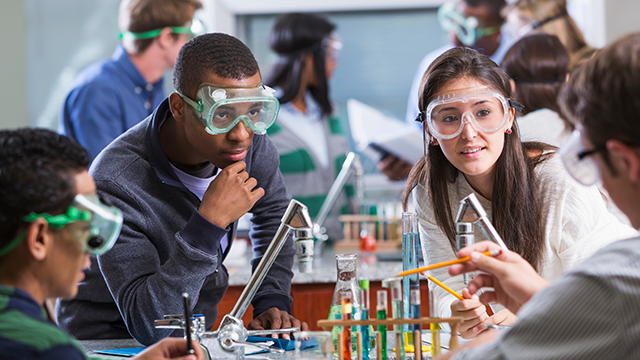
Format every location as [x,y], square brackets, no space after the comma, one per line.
[526,17]
[309,137]
[472,145]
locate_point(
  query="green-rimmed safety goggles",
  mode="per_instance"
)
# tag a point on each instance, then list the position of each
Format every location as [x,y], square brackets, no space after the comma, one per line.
[467,29]
[220,108]
[196,28]
[92,220]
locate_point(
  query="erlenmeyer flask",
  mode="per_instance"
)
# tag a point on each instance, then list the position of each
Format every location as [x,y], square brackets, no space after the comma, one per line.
[345,284]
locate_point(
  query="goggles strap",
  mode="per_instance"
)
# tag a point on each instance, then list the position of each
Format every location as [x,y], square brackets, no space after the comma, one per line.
[195,105]
[154,33]
[516,105]
[13,244]
[550,19]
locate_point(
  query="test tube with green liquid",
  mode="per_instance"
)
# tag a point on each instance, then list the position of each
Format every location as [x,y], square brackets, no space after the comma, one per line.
[381,308]
[434,327]
[395,285]
[364,305]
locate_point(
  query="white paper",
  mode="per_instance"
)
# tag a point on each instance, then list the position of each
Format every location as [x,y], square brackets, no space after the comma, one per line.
[370,127]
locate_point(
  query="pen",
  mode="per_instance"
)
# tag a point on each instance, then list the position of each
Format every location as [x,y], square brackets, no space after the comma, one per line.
[447,263]
[187,322]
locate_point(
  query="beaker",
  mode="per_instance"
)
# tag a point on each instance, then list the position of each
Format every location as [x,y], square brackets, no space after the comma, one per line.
[318,342]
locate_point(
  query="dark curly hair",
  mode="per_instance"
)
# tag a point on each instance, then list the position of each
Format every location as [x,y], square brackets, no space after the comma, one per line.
[37,169]
[207,54]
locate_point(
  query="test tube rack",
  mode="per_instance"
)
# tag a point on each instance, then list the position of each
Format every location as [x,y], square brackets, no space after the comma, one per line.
[387,232]
[454,322]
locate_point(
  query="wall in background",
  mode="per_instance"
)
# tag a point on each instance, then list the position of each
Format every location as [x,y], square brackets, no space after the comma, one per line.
[13,92]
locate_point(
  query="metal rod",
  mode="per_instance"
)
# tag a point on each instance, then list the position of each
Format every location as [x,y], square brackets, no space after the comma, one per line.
[296,216]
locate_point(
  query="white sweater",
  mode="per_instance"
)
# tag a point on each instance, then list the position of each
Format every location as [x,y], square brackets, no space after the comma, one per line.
[576,222]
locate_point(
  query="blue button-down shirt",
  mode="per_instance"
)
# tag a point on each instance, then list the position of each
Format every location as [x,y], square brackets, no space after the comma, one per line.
[105,100]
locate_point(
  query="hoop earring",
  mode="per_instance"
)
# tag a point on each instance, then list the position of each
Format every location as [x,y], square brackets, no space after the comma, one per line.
[508,131]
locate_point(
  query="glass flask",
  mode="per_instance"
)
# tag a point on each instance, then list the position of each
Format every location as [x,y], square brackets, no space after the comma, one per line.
[346,284]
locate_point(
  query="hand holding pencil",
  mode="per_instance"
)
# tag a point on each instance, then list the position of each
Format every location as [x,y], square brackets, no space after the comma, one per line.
[513,279]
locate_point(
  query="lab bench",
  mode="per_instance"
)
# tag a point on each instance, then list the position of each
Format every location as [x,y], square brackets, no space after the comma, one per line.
[312,293]
[90,345]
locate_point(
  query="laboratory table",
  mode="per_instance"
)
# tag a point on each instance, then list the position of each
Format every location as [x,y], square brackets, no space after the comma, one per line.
[90,345]
[312,293]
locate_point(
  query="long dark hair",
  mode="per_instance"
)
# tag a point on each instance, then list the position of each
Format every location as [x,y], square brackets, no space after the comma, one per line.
[538,64]
[293,37]
[516,208]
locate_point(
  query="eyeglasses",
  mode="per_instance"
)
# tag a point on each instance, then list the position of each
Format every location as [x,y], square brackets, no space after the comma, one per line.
[577,159]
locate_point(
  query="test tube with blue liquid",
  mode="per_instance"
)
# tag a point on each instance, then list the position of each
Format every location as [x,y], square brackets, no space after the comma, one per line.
[410,260]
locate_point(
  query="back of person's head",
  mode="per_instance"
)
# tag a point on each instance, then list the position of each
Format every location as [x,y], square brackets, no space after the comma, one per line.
[293,37]
[602,94]
[551,17]
[216,53]
[138,16]
[37,169]
[494,8]
[538,64]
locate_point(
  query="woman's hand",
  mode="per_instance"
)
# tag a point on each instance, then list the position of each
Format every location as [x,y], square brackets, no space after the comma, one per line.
[473,314]
[171,348]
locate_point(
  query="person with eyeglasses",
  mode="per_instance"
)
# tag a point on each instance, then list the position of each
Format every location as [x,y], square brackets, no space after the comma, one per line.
[51,220]
[308,134]
[110,96]
[591,312]
[182,178]
[474,146]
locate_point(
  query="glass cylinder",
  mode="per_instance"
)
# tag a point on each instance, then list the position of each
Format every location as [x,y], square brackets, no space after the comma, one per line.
[410,260]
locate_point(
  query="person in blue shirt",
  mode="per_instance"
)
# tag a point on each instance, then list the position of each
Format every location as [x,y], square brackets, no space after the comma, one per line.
[49,217]
[110,96]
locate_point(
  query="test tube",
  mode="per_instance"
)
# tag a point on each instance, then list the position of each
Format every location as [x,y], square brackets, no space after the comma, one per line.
[410,260]
[381,309]
[434,327]
[346,330]
[364,329]
[395,285]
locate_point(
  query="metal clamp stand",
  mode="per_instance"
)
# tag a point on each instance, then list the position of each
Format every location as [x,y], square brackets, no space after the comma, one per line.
[229,340]
[351,163]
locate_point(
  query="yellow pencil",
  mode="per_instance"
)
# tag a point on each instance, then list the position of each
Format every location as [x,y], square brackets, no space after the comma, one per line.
[450,290]
[446,263]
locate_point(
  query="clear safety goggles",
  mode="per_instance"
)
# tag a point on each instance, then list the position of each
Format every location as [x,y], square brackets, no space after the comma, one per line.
[333,47]
[194,29]
[467,29]
[220,108]
[483,107]
[92,221]
[577,160]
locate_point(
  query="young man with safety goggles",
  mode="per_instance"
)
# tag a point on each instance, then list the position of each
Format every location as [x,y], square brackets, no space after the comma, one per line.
[182,178]
[592,312]
[51,220]
[110,96]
